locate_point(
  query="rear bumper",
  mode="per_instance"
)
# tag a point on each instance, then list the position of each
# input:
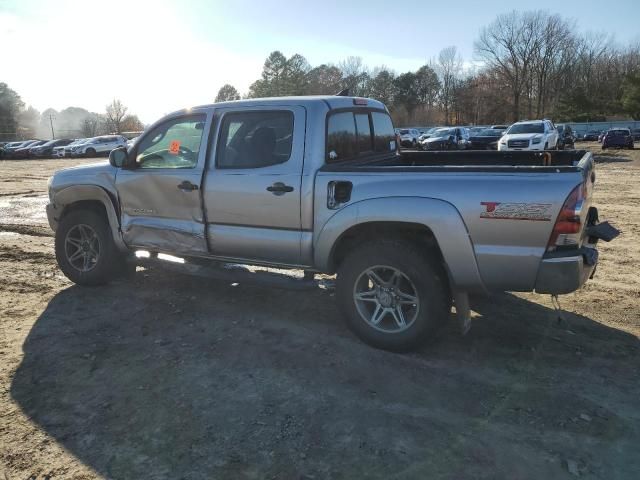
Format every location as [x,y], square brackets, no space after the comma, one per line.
[566,271]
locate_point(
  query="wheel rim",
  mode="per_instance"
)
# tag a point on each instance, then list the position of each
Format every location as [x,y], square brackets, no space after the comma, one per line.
[82,247]
[386,299]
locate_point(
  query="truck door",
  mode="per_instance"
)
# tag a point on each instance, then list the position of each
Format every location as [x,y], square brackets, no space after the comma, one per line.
[252,186]
[160,198]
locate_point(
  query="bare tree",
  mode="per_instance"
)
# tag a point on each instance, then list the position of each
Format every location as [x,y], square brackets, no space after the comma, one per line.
[115,112]
[89,126]
[509,46]
[449,67]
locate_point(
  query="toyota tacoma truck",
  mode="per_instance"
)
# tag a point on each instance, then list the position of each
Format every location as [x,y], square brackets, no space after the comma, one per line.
[318,184]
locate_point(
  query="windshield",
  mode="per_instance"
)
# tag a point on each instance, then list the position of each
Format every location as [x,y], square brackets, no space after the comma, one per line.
[488,132]
[444,132]
[526,128]
[404,132]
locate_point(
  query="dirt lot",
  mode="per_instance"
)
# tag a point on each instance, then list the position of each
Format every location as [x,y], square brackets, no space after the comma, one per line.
[169,376]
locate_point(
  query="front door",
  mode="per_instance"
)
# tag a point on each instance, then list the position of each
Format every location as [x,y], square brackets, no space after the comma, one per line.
[252,188]
[160,197]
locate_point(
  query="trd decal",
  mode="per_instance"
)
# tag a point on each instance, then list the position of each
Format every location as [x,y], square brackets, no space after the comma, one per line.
[517,211]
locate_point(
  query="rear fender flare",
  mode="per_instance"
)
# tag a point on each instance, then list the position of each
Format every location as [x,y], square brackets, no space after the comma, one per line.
[442,218]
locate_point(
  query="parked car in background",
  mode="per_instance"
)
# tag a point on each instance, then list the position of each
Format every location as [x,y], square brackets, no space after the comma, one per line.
[98,146]
[24,152]
[566,138]
[618,138]
[635,133]
[7,147]
[591,136]
[65,150]
[427,133]
[409,137]
[502,128]
[11,148]
[447,138]
[17,151]
[46,149]
[530,135]
[485,139]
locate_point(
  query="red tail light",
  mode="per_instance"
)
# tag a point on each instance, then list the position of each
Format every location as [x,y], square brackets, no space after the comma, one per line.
[568,221]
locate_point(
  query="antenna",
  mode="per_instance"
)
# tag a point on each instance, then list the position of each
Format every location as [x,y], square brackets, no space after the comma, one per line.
[343,93]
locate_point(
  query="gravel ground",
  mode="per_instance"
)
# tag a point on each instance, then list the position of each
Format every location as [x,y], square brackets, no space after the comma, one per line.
[170,376]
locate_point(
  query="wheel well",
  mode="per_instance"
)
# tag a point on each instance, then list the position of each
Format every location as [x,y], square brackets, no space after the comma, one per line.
[415,233]
[92,205]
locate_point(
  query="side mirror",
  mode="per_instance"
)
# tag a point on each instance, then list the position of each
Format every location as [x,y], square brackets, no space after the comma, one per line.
[119,157]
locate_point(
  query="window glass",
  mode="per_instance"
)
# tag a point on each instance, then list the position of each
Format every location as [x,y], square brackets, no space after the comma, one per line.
[174,144]
[385,139]
[364,132]
[255,139]
[341,137]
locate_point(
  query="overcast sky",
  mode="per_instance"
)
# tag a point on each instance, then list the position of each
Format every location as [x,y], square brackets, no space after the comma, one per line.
[161,55]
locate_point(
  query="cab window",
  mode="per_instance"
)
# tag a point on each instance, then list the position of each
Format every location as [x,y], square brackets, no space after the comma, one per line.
[255,139]
[173,144]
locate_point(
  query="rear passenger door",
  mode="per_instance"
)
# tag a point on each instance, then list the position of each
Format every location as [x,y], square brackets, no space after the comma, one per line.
[252,186]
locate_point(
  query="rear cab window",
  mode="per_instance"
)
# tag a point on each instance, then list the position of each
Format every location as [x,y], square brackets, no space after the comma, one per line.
[359,133]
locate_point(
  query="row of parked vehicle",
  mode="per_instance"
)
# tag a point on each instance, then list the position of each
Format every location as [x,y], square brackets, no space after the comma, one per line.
[598,135]
[62,147]
[524,135]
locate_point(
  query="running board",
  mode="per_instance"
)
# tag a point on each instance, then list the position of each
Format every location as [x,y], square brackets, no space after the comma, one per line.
[241,274]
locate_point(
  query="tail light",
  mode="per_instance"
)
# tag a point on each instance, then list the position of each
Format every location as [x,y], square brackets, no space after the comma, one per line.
[568,223]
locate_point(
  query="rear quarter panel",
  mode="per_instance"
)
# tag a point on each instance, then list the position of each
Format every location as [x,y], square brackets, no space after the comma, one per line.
[507,251]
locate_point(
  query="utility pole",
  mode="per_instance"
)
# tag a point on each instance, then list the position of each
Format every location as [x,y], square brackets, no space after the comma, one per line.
[51,118]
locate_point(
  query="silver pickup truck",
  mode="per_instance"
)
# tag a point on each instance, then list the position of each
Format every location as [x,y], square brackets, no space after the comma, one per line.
[319,184]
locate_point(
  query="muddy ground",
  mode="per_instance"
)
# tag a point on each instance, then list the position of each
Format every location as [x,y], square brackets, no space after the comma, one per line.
[169,376]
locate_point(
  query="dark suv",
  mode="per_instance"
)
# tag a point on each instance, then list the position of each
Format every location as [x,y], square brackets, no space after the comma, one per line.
[565,137]
[617,137]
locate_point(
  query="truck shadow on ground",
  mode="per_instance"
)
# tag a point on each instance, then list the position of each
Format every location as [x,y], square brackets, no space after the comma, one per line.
[167,376]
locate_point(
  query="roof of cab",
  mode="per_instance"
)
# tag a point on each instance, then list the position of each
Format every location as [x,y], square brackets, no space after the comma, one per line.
[331,101]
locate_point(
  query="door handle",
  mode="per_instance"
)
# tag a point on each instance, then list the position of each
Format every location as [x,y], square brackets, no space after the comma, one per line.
[279,188]
[187,186]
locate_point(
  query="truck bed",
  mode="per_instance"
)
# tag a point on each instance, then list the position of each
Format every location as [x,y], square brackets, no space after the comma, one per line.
[472,160]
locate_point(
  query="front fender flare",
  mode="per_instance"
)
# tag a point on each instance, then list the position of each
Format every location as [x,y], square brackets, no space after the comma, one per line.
[78,193]
[442,218]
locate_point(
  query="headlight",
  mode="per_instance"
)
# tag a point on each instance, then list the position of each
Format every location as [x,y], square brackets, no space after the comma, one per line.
[536,140]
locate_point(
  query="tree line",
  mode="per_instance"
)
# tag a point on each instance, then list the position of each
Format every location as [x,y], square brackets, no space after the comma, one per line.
[528,65]
[20,122]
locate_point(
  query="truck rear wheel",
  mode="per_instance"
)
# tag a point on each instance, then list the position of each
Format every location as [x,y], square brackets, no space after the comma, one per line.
[85,250]
[392,294]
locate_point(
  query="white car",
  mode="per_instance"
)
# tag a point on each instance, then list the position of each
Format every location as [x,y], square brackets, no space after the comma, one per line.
[63,150]
[409,137]
[98,145]
[530,135]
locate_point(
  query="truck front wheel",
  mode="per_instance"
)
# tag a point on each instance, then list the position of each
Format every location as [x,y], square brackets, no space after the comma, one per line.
[392,294]
[85,250]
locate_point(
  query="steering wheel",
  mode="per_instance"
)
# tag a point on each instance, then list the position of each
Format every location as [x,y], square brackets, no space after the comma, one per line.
[187,152]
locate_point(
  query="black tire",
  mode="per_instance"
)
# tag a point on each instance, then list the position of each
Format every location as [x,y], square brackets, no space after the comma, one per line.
[90,152]
[426,275]
[108,261]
